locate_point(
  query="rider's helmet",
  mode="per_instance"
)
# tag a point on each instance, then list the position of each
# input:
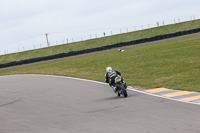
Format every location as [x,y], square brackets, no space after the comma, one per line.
[108,69]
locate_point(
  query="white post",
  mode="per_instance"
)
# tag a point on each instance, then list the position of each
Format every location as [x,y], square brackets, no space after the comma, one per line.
[48,43]
[157,24]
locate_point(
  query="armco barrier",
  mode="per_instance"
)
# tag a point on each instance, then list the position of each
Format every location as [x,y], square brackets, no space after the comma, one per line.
[84,51]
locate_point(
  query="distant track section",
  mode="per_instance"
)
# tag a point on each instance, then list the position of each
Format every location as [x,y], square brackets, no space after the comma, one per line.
[84,51]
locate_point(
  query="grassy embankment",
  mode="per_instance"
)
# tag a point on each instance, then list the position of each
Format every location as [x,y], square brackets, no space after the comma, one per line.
[172,63]
[101,41]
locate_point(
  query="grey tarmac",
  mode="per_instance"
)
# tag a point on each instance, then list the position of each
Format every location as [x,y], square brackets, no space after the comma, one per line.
[47,104]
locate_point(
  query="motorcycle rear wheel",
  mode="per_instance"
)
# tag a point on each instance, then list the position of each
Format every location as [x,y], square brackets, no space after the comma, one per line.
[123,90]
[125,93]
[118,94]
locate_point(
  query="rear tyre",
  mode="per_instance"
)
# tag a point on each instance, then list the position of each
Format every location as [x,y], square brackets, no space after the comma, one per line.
[124,92]
[118,94]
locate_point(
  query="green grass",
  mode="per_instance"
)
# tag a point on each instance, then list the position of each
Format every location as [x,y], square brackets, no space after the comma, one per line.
[101,41]
[172,64]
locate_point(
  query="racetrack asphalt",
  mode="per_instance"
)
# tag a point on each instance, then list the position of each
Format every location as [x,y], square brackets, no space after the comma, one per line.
[52,104]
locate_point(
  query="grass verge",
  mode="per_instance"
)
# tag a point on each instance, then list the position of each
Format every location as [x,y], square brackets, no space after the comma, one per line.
[171,64]
[101,41]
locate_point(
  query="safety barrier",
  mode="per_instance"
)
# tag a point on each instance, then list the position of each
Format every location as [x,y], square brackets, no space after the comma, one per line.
[84,51]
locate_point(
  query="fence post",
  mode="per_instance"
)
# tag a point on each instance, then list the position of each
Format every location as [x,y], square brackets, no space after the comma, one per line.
[157,24]
[48,44]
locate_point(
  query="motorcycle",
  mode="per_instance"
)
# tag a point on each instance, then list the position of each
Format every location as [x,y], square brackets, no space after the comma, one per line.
[120,88]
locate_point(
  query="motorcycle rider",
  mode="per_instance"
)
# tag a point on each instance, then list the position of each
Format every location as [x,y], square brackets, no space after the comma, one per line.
[110,77]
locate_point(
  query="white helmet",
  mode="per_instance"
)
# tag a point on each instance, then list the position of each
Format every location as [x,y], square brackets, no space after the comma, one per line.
[108,69]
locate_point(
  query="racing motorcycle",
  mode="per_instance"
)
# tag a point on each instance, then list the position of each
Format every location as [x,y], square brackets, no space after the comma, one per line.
[120,88]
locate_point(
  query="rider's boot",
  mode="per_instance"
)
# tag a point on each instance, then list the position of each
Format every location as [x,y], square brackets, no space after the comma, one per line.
[125,86]
[114,89]
[124,83]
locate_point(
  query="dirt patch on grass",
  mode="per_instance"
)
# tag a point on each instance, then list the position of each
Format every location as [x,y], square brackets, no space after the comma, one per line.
[140,87]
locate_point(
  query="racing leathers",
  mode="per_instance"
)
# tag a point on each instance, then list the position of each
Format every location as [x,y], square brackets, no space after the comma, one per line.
[110,78]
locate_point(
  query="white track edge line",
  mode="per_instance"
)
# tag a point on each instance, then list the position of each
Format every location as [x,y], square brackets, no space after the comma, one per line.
[93,81]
